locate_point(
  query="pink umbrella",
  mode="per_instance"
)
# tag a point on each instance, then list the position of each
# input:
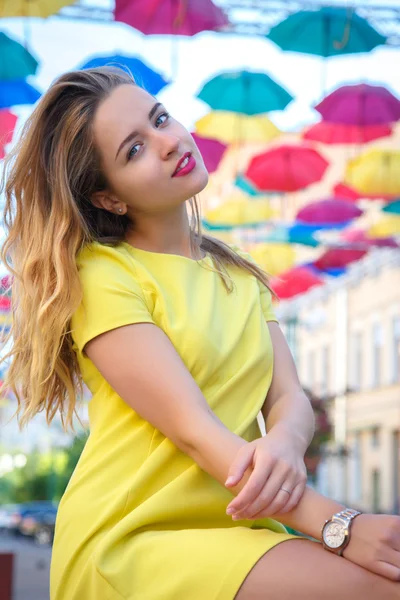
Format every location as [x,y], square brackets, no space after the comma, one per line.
[294,281]
[359,237]
[7,125]
[360,105]
[342,191]
[179,17]
[211,151]
[338,258]
[337,133]
[286,168]
[328,211]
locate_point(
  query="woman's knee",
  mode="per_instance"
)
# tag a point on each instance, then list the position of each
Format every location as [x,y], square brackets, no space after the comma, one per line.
[302,569]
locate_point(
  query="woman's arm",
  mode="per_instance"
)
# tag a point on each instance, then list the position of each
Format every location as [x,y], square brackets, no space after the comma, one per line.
[286,406]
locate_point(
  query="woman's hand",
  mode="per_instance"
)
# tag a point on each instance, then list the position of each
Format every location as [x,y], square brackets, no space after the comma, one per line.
[375,544]
[276,460]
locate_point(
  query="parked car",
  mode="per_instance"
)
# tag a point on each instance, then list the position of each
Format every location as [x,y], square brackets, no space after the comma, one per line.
[40,525]
[6,511]
[27,509]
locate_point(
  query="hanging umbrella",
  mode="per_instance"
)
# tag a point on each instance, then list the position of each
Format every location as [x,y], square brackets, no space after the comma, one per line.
[329,211]
[359,237]
[245,93]
[212,151]
[294,234]
[273,258]
[361,104]
[178,17]
[345,192]
[375,172]
[326,32]
[16,62]
[336,133]
[244,184]
[386,227]
[144,76]
[238,211]
[7,125]
[231,127]
[17,92]
[286,168]
[32,8]
[295,281]
[336,258]
[392,208]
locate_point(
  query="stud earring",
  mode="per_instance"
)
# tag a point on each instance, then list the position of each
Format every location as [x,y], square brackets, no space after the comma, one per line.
[120,210]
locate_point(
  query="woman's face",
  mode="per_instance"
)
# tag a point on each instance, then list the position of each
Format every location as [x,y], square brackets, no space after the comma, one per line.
[140,148]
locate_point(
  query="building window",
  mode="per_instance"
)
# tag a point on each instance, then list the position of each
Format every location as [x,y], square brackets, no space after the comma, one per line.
[357,360]
[377,339]
[376,489]
[396,350]
[325,375]
[375,431]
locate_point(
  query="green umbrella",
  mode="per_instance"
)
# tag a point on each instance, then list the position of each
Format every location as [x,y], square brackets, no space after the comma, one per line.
[16,62]
[392,208]
[244,92]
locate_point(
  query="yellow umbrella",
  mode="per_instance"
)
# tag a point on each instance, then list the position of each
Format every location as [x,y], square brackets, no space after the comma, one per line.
[239,210]
[32,8]
[274,258]
[230,127]
[375,172]
[386,227]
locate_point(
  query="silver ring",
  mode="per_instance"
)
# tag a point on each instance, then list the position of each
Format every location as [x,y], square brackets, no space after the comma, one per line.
[286,491]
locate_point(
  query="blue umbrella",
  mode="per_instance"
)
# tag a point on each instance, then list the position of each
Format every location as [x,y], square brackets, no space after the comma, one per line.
[244,92]
[16,62]
[144,76]
[17,92]
[293,235]
[329,31]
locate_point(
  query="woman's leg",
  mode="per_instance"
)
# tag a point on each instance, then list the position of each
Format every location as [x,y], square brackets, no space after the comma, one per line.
[303,570]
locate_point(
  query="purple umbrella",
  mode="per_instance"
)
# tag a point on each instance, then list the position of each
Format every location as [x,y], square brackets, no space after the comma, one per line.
[211,151]
[330,211]
[360,105]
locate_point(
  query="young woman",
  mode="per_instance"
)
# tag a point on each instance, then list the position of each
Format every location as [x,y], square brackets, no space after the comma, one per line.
[176,496]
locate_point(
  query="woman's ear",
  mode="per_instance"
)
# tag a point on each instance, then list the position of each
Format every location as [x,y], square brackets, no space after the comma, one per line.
[105,200]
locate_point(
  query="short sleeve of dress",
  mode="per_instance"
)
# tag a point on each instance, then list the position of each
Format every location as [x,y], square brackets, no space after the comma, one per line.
[265,294]
[112,295]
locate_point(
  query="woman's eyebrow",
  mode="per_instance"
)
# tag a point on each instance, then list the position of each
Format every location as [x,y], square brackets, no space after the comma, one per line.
[135,133]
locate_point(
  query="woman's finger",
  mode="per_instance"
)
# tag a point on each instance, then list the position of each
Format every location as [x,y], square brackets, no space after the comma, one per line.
[266,496]
[251,489]
[295,496]
[387,570]
[242,461]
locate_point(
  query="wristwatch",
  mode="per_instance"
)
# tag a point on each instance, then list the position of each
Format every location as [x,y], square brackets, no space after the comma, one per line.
[336,530]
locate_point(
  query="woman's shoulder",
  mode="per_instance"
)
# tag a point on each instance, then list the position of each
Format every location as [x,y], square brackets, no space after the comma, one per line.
[96,259]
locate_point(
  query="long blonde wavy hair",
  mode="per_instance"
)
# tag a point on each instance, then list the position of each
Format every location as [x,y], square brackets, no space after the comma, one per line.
[48,180]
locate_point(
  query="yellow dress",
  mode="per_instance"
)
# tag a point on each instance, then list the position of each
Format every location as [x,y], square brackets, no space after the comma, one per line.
[139,519]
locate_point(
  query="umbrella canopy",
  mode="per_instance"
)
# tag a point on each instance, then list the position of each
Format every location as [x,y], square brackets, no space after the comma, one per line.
[244,92]
[32,8]
[231,127]
[328,211]
[295,281]
[179,17]
[7,125]
[16,62]
[345,192]
[295,234]
[238,211]
[361,104]
[392,208]
[326,32]
[386,227]
[244,184]
[375,172]
[337,133]
[17,92]
[211,150]
[273,258]
[336,258]
[286,168]
[144,76]
[359,237]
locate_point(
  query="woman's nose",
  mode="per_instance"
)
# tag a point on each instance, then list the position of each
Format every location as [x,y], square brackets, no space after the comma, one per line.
[169,144]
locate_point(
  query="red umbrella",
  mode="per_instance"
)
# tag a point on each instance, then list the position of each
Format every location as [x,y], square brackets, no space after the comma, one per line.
[286,168]
[211,151]
[338,258]
[359,237]
[180,17]
[336,133]
[7,125]
[328,211]
[5,303]
[294,281]
[343,191]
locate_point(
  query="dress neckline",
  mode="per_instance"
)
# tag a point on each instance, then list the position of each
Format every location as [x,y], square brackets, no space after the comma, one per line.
[150,253]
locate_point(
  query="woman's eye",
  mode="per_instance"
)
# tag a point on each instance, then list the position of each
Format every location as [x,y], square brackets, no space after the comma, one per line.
[164,116]
[133,151]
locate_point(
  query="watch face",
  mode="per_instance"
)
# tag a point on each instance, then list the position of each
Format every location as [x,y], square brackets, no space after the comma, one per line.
[334,535]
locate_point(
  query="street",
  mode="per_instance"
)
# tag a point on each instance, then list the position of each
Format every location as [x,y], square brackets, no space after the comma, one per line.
[31,568]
